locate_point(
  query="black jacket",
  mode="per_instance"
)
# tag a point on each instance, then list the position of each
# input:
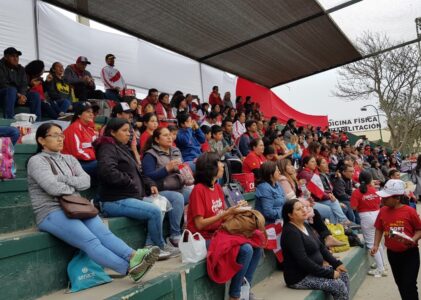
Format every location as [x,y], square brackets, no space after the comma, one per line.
[118,173]
[342,189]
[13,77]
[304,255]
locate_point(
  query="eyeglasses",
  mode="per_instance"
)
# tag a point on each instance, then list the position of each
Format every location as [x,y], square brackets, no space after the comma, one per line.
[56,136]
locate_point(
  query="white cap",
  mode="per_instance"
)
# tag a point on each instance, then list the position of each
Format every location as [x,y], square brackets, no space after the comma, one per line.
[393,187]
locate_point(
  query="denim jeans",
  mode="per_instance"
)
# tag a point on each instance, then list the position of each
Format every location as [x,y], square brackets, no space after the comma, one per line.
[325,212]
[249,258]
[112,95]
[139,210]
[9,131]
[336,209]
[90,167]
[8,98]
[349,213]
[175,215]
[52,109]
[91,236]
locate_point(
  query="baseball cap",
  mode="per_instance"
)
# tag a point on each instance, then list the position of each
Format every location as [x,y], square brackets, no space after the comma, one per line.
[109,56]
[393,187]
[121,107]
[11,51]
[83,59]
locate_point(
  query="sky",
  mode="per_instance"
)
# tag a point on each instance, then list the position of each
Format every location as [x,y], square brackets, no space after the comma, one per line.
[314,94]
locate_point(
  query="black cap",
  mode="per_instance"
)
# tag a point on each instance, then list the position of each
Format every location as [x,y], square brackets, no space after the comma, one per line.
[11,51]
[120,108]
[109,56]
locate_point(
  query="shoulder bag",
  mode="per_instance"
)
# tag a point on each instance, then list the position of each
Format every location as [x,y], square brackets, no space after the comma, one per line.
[74,206]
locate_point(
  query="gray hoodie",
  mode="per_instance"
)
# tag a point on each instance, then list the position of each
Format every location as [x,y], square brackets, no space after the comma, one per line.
[44,186]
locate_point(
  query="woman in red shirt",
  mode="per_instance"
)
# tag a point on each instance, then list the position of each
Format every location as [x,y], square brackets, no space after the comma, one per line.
[403,254]
[150,123]
[207,211]
[255,158]
[367,203]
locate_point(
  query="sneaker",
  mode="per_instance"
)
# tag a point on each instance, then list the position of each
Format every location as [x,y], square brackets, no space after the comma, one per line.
[65,117]
[252,296]
[142,262]
[174,252]
[377,274]
[163,255]
[373,266]
[173,242]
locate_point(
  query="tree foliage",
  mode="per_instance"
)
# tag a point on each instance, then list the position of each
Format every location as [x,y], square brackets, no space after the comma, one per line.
[394,79]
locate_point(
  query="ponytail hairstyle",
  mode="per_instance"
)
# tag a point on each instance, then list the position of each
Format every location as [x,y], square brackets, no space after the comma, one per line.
[365,179]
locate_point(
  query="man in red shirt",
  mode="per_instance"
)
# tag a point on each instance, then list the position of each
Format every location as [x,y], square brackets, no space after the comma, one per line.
[215,97]
[152,99]
[402,253]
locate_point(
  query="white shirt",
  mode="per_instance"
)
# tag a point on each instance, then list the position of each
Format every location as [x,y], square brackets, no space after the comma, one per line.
[111,77]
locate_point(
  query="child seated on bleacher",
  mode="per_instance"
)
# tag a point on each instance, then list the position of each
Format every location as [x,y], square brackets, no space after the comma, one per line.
[90,235]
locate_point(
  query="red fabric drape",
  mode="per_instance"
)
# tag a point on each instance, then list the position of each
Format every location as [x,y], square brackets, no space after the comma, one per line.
[272,105]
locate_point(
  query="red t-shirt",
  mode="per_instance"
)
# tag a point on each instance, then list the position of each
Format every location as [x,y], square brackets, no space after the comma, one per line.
[252,161]
[144,138]
[207,203]
[205,147]
[369,201]
[403,219]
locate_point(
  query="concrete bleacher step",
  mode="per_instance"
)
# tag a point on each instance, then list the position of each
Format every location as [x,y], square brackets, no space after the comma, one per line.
[356,261]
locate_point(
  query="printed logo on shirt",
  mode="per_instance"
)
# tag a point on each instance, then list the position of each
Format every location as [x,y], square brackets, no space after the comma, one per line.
[370,197]
[398,226]
[216,206]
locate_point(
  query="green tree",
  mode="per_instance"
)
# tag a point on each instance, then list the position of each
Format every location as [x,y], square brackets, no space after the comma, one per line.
[394,79]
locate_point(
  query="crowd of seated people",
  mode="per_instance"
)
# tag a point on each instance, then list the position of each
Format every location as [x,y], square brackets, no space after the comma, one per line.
[139,152]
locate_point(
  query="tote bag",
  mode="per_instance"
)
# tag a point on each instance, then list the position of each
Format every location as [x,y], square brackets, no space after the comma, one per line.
[84,273]
[193,249]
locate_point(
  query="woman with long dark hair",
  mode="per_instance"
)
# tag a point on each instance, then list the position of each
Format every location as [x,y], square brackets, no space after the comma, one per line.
[161,161]
[270,197]
[207,212]
[305,256]
[122,185]
[367,203]
[90,235]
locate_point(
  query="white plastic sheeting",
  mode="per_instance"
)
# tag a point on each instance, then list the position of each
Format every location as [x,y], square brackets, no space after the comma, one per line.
[17,28]
[142,64]
[225,81]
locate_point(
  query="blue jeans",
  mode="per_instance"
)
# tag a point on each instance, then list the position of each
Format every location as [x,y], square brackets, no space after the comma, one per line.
[9,131]
[139,210]
[90,167]
[326,212]
[248,257]
[52,109]
[178,200]
[336,209]
[8,96]
[349,213]
[92,237]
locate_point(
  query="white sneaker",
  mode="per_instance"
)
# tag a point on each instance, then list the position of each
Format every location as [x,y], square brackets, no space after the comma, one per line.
[373,266]
[377,273]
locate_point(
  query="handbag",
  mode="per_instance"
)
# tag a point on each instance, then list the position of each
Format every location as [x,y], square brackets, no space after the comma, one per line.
[194,248]
[338,232]
[245,223]
[84,273]
[74,206]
